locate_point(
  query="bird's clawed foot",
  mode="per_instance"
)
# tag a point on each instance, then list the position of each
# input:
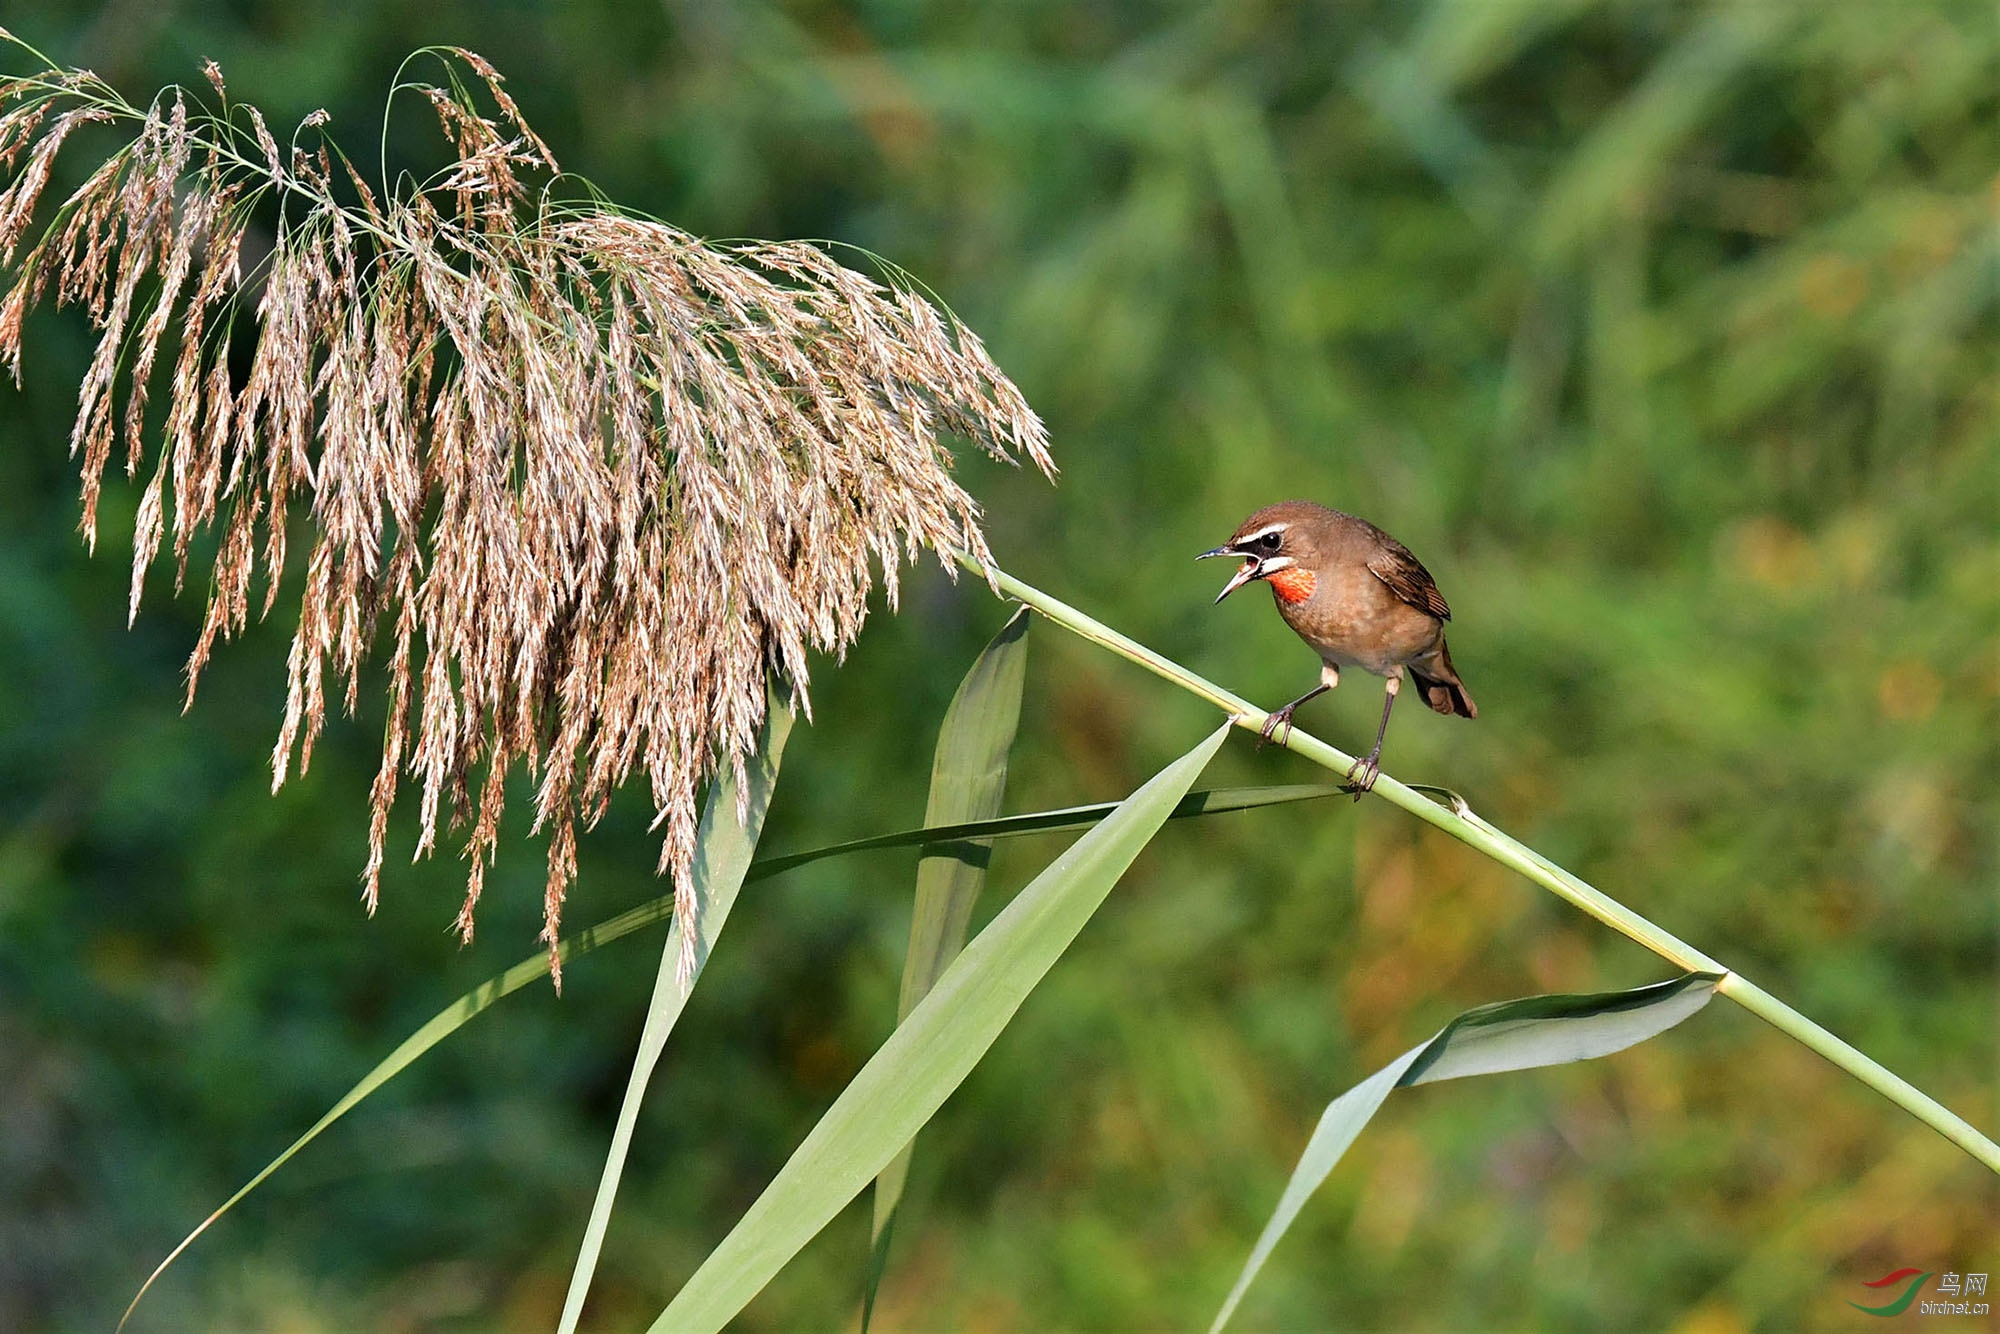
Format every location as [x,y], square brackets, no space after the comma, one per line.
[1361,778]
[1281,719]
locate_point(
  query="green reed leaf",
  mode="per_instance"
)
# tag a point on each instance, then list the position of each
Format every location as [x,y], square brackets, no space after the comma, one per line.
[1213,801]
[968,783]
[1511,1035]
[929,1055]
[723,849]
[488,993]
[1207,801]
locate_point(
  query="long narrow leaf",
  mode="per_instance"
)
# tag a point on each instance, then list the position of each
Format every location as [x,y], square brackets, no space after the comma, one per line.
[1213,801]
[928,1056]
[435,1030]
[440,1026]
[968,783]
[1511,1035]
[1208,801]
[723,849]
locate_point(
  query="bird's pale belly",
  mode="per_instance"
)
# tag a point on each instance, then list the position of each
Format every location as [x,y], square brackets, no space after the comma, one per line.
[1363,626]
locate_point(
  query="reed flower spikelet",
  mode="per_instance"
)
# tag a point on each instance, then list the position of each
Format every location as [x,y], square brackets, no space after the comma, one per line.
[590,480]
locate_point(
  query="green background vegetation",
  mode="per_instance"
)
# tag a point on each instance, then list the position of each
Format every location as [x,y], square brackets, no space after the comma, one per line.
[1665,333]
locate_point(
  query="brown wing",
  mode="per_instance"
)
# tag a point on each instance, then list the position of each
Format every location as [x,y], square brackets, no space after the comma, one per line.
[1408,579]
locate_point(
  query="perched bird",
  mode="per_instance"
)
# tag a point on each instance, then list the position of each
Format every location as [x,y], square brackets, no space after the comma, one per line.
[1359,598]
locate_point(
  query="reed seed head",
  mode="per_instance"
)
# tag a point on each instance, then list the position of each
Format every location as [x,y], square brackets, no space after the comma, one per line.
[588,482]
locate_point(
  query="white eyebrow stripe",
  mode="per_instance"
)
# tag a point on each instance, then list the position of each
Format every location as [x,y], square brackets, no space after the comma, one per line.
[1263,532]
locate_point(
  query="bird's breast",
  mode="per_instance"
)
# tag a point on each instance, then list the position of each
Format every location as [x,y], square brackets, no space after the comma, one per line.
[1351,618]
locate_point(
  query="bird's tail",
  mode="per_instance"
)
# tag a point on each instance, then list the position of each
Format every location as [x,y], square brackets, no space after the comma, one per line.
[1437,681]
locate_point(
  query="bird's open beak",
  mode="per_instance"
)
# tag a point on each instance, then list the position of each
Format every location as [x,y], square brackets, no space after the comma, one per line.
[1243,576]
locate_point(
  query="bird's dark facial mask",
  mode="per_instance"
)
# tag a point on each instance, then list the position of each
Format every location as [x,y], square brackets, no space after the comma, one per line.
[1258,550]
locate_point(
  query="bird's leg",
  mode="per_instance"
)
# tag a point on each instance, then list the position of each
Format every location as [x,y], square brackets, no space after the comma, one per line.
[1283,718]
[1367,769]
[1329,677]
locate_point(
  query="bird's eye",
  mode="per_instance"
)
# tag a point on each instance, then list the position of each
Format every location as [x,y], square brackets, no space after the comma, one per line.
[1270,541]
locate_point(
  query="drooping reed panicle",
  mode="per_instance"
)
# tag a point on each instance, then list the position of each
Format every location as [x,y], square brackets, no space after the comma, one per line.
[598,478]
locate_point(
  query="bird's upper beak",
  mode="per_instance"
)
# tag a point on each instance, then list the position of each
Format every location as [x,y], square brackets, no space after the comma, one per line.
[1243,576]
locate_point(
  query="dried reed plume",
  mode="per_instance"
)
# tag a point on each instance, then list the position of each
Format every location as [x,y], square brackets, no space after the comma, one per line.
[604,479]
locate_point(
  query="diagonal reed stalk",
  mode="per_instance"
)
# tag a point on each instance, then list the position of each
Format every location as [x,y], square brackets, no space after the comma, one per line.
[1463,824]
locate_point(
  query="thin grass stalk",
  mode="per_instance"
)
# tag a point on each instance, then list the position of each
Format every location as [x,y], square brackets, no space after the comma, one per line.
[1462,823]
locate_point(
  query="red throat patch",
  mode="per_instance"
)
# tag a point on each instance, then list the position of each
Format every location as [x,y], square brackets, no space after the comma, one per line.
[1292,584]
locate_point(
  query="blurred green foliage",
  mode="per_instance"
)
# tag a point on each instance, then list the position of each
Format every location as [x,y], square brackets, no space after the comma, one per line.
[1666,333]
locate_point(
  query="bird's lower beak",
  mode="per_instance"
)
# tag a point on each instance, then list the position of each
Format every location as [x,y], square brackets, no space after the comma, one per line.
[1241,577]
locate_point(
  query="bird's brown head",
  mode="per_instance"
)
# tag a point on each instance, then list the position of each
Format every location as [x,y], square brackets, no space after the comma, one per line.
[1275,544]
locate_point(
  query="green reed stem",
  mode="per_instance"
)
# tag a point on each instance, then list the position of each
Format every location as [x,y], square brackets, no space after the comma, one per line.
[1459,820]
